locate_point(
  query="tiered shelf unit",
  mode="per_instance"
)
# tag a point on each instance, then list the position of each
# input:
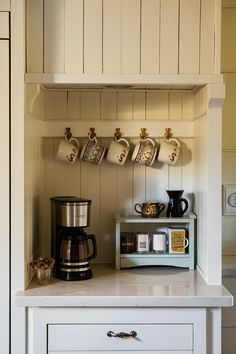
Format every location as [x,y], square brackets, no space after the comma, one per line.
[187,260]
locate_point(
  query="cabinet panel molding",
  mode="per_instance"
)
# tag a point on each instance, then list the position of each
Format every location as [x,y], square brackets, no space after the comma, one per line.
[207,37]
[4,25]
[5,5]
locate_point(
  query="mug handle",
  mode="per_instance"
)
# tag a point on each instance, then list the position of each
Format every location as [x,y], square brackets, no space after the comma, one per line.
[174,140]
[151,141]
[162,207]
[124,140]
[74,140]
[186,205]
[136,206]
[186,243]
[93,139]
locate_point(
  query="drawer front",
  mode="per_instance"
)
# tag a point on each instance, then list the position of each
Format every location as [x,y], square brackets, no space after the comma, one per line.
[94,337]
[4,25]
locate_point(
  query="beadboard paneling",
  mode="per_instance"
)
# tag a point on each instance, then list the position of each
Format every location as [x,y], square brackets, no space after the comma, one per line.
[112,189]
[113,105]
[123,36]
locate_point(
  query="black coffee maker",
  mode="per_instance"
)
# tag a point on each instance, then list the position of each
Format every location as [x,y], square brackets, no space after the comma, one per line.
[70,243]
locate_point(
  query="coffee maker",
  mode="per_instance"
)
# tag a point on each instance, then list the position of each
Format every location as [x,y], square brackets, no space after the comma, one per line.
[69,242]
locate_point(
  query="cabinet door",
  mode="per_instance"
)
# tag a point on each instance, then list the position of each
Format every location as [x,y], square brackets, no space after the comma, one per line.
[4,192]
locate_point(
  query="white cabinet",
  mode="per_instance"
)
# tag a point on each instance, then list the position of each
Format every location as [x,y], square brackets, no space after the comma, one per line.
[87,330]
[5,175]
[187,260]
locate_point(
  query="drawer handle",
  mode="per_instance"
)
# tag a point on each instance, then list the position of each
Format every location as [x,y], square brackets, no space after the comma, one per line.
[122,334]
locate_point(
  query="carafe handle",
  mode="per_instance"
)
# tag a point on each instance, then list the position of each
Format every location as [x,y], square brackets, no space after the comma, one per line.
[93,239]
[186,205]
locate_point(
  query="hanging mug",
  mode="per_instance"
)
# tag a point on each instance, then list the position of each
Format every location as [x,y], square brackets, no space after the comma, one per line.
[169,151]
[68,150]
[118,151]
[145,152]
[92,152]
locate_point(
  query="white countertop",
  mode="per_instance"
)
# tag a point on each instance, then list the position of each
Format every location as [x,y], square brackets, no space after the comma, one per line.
[140,287]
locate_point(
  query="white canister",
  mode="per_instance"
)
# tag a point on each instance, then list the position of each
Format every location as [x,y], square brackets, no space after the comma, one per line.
[142,242]
[159,242]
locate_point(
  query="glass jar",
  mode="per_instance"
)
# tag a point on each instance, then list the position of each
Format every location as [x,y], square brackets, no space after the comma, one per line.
[127,242]
[142,242]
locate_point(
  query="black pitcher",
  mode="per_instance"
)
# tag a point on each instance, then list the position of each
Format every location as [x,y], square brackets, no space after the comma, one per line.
[174,208]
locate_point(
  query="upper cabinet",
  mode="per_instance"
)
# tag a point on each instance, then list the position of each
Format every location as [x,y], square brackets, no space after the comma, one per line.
[113,37]
[5,5]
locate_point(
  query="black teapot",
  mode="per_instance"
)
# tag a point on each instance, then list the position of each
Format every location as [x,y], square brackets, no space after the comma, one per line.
[174,208]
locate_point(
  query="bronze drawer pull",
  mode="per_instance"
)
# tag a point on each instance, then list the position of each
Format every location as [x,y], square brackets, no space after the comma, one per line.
[122,334]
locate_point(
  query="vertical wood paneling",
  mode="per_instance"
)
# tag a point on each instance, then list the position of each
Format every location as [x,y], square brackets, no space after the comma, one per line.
[108,208]
[47,191]
[111,36]
[187,170]
[189,36]
[92,36]
[139,185]
[125,105]
[90,105]
[150,25]
[91,189]
[109,105]
[169,37]
[34,36]
[74,36]
[157,105]
[49,105]
[176,105]
[73,105]
[130,36]
[60,106]
[207,43]
[139,102]
[187,105]
[54,36]
[125,189]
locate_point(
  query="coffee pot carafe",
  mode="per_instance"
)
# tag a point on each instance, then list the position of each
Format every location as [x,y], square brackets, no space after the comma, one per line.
[175,208]
[74,255]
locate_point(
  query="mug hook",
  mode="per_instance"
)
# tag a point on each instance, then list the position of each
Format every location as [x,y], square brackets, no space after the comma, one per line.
[117,134]
[92,133]
[143,134]
[167,134]
[68,134]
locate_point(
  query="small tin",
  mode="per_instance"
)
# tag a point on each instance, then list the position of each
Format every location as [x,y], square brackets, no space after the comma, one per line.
[142,242]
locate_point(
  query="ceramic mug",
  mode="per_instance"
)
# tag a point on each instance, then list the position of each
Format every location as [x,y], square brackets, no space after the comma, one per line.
[149,209]
[68,150]
[145,152]
[118,152]
[92,152]
[177,241]
[169,151]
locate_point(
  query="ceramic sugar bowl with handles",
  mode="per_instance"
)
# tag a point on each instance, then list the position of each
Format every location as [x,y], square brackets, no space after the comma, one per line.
[149,209]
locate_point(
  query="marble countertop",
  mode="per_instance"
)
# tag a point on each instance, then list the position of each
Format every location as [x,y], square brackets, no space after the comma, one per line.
[139,287]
